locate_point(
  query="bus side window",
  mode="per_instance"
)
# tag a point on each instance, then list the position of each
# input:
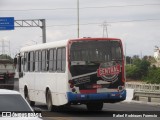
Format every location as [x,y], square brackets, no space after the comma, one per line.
[19,64]
[31,61]
[25,64]
[47,60]
[22,62]
[36,61]
[61,59]
[39,60]
[44,60]
[51,56]
[28,61]
[55,60]
[52,60]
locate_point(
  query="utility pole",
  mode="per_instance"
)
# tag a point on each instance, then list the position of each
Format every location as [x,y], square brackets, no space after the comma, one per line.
[141,54]
[105,29]
[78,18]
[43,30]
[3,47]
[9,48]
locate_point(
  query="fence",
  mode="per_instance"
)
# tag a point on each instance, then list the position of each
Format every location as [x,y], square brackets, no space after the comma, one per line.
[145,90]
[144,87]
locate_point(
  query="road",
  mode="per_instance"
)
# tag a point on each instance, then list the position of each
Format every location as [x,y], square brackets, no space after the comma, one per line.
[79,112]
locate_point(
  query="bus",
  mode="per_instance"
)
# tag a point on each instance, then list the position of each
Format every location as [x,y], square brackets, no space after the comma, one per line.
[86,71]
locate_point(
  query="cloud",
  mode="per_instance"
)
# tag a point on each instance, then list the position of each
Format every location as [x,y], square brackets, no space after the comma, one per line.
[53,35]
[139,36]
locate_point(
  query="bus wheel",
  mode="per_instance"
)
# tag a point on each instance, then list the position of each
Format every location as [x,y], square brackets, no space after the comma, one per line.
[49,101]
[26,95]
[95,106]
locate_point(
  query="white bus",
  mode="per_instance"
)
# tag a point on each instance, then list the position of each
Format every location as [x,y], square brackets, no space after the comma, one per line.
[79,71]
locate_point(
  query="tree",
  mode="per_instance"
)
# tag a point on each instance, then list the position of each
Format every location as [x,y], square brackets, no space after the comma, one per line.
[144,66]
[151,59]
[138,69]
[5,56]
[135,57]
[136,62]
[128,60]
[133,72]
[153,76]
[141,69]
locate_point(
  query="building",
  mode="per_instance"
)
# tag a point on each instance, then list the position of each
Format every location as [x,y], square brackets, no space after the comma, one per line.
[157,56]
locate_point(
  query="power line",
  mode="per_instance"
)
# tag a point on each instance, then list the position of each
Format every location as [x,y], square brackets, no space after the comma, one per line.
[105,28]
[43,9]
[5,46]
[65,25]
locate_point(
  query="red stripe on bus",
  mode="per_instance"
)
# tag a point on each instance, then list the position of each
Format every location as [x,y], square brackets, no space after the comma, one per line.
[88,91]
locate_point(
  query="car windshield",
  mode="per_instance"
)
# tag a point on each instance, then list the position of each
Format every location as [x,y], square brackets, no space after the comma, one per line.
[96,51]
[13,102]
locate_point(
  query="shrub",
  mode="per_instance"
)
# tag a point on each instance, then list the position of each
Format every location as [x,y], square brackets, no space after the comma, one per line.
[132,72]
[153,76]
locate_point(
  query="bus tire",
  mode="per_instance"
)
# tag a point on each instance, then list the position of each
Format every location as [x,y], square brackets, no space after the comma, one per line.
[95,106]
[26,95]
[49,101]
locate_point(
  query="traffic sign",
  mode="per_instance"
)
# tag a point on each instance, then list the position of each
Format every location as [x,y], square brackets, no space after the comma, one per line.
[6,23]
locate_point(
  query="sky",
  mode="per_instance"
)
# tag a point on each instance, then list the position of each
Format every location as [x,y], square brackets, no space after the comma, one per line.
[135,22]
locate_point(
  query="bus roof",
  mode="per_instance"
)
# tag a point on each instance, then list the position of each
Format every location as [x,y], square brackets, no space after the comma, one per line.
[60,43]
[48,45]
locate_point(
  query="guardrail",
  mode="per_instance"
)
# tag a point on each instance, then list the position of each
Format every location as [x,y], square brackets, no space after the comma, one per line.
[144,87]
[145,90]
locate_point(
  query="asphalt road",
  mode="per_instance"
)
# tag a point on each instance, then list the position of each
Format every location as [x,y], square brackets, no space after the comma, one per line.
[79,112]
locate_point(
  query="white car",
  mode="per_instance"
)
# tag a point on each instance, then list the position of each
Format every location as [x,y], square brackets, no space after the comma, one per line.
[14,107]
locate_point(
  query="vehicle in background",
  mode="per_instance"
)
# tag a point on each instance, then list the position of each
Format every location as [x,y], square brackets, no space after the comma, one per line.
[7,72]
[79,71]
[12,102]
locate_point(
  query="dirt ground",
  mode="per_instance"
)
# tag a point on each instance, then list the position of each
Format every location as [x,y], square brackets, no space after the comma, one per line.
[134,81]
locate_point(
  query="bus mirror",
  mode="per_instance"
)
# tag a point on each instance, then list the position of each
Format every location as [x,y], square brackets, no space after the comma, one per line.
[15,61]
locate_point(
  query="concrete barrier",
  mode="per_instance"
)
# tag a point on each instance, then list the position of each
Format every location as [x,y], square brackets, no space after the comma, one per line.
[130,94]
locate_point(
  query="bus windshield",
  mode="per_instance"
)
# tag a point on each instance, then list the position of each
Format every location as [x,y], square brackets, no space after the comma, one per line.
[96,51]
[87,56]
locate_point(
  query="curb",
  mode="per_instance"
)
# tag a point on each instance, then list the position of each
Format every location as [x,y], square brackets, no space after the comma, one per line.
[142,102]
